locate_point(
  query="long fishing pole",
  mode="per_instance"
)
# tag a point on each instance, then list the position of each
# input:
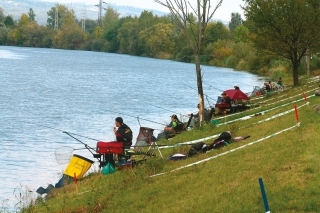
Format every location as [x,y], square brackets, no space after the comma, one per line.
[63,131]
[167,110]
[70,134]
[134,117]
[213,87]
[87,147]
[203,93]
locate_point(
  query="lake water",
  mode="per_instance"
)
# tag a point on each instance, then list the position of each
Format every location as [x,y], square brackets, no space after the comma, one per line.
[44,92]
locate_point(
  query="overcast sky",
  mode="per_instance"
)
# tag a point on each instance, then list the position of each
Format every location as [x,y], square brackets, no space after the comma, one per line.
[223,13]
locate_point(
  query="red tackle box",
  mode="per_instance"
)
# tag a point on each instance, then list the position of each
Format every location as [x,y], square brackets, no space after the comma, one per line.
[112,147]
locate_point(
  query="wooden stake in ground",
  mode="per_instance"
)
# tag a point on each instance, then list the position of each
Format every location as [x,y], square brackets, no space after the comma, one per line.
[296,110]
[305,98]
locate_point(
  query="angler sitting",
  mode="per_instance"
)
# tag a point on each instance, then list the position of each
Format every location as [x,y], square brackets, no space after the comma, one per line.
[124,135]
[195,119]
[267,88]
[223,104]
[174,126]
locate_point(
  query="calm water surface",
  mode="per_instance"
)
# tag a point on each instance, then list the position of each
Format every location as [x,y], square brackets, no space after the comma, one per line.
[44,92]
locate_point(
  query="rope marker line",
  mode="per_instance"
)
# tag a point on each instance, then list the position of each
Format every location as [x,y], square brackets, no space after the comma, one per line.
[227,152]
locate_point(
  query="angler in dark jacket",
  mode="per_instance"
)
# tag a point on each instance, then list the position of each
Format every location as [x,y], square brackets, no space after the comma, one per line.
[124,133]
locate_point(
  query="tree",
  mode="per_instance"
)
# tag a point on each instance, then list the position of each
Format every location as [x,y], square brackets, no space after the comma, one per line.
[2,16]
[32,34]
[8,21]
[127,37]
[98,32]
[110,19]
[216,31]
[236,20]
[284,28]
[157,38]
[62,12]
[4,31]
[90,25]
[193,21]
[70,35]
[241,34]
[17,36]
[23,20]
[110,28]
[146,20]
[31,15]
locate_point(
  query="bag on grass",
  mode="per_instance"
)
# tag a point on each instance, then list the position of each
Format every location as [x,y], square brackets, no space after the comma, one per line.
[108,169]
[196,148]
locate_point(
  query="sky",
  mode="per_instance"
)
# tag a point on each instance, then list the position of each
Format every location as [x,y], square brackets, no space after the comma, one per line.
[223,13]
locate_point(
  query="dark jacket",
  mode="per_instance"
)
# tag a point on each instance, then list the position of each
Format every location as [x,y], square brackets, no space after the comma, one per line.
[226,100]
[124,134]
[268,88]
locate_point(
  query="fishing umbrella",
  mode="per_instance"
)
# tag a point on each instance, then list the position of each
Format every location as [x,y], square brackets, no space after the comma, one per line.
[236,94]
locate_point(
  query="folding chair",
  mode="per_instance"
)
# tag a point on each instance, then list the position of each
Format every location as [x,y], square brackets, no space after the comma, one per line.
[146,138]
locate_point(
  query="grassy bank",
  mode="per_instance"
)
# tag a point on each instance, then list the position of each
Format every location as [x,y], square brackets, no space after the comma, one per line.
[284,154]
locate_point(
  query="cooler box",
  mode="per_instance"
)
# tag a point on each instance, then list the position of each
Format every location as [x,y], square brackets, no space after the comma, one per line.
[112,147]
[79,165]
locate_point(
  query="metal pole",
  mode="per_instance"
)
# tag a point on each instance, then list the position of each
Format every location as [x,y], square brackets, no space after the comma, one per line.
[264,196]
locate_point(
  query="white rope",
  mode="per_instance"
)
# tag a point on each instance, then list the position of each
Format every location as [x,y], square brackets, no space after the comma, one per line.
[275,116]
[227,152]
[190,142]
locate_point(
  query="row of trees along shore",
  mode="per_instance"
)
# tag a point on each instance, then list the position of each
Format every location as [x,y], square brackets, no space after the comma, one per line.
[242,45]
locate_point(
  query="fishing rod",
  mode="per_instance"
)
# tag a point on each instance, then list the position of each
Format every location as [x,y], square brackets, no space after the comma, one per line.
[203,94]
[87,147]
[167,110]
[69,134]
[213,87]
[135,117]
[48,127]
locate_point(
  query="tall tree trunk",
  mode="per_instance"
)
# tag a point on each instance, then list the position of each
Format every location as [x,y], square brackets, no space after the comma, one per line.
[200,89]
[295,65]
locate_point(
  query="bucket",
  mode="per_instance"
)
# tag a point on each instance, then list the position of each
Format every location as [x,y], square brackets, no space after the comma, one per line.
[79,165]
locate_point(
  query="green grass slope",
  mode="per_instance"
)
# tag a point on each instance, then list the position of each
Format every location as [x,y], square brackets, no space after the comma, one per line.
[284,154]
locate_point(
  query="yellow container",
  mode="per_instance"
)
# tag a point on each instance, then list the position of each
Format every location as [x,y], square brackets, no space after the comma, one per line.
[79,165]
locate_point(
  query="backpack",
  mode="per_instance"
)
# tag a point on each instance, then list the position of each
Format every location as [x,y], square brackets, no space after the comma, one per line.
[219,144]
[196,148]
[223,140]
[179,126]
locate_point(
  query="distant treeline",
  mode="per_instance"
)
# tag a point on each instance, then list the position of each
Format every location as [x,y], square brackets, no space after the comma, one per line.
[147,35]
